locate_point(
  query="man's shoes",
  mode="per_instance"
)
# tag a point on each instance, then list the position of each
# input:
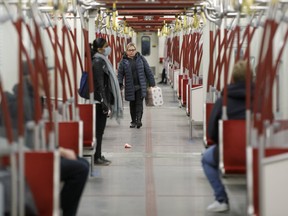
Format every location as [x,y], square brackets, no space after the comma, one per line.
[101,162]
[218,207]
[132,125]
[160,82]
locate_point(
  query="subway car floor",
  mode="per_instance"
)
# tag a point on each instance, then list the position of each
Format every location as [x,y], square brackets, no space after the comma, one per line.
[161,175]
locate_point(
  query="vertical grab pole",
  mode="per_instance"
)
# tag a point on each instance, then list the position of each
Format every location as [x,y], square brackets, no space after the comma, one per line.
[20,95]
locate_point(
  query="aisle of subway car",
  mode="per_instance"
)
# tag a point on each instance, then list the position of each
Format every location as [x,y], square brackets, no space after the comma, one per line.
[161,174]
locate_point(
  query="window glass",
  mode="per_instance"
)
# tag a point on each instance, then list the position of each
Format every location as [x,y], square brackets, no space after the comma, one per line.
[145,45]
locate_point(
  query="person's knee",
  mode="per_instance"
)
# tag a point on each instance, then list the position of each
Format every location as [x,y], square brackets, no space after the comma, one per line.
[203,160]
[84,167]
[86,170]
[208,159]
[86,163]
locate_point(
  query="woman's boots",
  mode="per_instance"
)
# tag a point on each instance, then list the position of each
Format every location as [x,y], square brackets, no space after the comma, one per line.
[138,121]
[133,124]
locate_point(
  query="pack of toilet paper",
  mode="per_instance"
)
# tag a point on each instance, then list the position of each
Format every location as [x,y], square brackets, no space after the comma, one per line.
[154,96]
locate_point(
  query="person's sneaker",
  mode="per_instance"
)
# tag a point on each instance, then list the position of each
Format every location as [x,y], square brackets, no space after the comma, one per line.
[132,125]
[218,207]
[106,160]
[100,162]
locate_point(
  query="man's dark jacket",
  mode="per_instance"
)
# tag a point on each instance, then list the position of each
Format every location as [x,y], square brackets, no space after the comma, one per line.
[236,109]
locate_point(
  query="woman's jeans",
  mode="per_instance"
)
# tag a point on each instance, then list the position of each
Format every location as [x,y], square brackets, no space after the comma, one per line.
[211,170]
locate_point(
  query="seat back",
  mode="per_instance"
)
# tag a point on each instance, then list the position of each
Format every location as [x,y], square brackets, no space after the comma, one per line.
[71,136]
[188,99]
[207,111]
[183,91]
[42,172]
[179,88]
[232,146]
[88,116]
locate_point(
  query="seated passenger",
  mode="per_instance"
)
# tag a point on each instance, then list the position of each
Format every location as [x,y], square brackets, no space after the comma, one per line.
[236,101]
[73,170]
[163,76]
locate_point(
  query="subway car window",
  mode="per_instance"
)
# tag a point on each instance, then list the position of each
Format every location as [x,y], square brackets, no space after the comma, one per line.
[145,45]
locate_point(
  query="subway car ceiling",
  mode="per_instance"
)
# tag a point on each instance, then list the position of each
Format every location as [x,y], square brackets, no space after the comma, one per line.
[156,15]
[147,15]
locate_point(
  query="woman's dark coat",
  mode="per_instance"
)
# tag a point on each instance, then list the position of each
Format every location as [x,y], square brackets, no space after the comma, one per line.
[144,74]
[102,86]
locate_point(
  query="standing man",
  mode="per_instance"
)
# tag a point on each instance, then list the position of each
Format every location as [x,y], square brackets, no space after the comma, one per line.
[136,71]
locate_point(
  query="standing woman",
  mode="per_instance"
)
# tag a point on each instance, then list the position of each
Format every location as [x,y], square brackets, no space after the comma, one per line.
[136,71]
[106,93]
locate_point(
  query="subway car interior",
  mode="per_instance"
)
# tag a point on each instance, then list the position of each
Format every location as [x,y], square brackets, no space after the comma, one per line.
[188,52]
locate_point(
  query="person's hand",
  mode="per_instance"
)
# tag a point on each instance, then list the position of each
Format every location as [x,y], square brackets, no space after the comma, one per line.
[121,86]
[67,153]
[104,108]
